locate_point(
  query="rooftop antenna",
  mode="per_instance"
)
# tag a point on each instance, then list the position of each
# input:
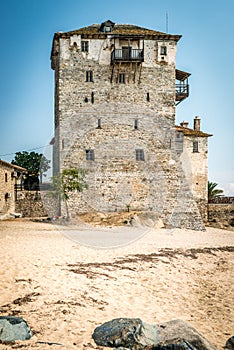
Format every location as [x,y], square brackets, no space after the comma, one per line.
[166,22]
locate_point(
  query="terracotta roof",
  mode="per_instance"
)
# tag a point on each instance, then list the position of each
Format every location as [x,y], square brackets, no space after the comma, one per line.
[118,30]
[191,132]
[13,166]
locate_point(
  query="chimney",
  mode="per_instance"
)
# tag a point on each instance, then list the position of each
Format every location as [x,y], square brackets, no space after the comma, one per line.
[197,123]
[184,124]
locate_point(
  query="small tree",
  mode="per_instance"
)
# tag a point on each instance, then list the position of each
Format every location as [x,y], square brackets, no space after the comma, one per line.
[69,180]
[212,191]
[36,164]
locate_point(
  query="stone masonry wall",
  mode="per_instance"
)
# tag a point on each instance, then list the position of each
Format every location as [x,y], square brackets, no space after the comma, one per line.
[7,195]
[221,216]
[35,204]
[115,177]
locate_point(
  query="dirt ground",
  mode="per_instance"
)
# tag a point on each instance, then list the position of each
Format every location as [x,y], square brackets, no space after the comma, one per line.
[64,289]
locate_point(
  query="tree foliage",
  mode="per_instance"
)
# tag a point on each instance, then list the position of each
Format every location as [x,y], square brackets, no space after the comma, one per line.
[36,164]
[66,182]
[213,191]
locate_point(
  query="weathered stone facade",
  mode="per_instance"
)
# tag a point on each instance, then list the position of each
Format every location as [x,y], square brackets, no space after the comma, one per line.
[115,100]
[221,215]
[35,204]
[9,176]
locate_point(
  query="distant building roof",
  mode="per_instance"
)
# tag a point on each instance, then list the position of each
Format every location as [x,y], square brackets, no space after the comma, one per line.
[192,132]
[13,166]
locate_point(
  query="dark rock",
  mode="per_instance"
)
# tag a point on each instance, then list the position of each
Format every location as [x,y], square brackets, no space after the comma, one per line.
[129,333]
[14,328]
[169,331]
[177,344]
[230,343]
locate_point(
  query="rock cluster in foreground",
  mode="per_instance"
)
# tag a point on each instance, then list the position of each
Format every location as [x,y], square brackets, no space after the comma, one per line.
[134,334]
[14,328]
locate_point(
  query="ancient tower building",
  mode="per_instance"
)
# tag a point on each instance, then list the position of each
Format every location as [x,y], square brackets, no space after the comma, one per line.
[116,90]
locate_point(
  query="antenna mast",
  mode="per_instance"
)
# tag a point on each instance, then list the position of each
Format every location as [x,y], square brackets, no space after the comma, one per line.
[166,22]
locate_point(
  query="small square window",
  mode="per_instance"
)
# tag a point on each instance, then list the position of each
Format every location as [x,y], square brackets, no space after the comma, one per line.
[140,154]
[84,46]
[89,154]
[163,50]
[89,76]
[195,146]
[122,78]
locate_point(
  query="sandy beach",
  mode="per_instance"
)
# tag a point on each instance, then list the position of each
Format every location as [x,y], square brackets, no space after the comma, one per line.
[64,289]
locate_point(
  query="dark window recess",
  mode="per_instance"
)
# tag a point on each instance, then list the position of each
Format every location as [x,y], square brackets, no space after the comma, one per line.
[147,97]
[62,144]
[163,50]
[6,177]
[92,97]
[89,154]
[136,124]
[89,76]
[122,78]
[84,46]
[195,146]
[140,154]
[99,123]
[86,99]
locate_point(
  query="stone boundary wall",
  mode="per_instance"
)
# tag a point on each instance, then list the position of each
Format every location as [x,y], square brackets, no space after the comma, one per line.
[35,204]
[221,216]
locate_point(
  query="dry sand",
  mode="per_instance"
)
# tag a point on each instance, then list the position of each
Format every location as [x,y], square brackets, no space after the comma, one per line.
[65,290]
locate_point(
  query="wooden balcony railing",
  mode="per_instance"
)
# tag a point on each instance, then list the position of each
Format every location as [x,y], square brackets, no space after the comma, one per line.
[182,91]
[127,55]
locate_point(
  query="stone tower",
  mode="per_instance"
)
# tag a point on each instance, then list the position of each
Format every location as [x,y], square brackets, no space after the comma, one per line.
[116,90]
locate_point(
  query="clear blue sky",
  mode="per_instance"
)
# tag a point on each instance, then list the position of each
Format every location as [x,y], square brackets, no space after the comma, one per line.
[206,50]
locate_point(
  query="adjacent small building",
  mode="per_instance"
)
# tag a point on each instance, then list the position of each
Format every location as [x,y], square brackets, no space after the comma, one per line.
[10,175]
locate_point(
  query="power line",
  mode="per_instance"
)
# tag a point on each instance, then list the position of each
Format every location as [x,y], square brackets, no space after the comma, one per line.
[28,150]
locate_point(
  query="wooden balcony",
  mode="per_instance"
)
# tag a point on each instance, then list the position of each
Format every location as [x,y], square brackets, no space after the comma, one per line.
[182,86]
[127,55]
[182,91]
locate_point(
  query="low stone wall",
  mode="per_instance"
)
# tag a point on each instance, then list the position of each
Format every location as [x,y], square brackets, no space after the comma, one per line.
[35,204]
[221,216]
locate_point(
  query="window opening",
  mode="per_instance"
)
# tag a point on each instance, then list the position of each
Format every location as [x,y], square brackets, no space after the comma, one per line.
[140,154]
[195,146]
[136,124]
[5,177]
[163,50]
[121,78]
[148,97]
[89,76]
[89,154]
[84,46]
[99,123]
[92,97]
[126,52]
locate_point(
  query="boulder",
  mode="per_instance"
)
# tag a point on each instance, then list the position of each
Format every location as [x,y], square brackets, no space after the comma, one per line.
[14,328]
[230,343]
[173,330]
[130,333]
